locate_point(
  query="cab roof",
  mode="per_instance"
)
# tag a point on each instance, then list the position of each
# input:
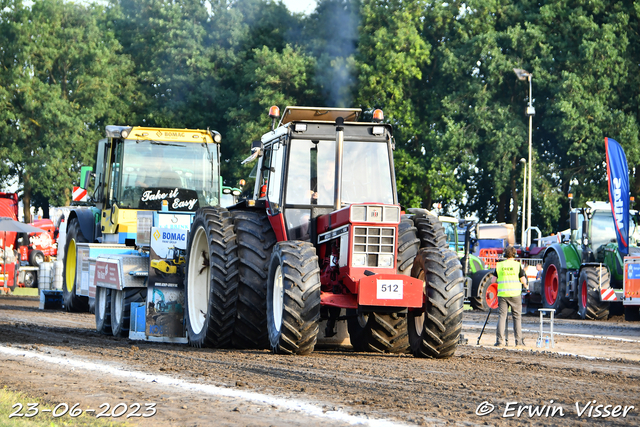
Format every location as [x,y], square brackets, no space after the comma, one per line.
[318,114]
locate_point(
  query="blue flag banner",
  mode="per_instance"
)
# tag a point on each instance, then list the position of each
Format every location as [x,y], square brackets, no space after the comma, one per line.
[618,176]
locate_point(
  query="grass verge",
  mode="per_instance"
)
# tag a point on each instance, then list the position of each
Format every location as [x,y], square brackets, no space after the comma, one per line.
[31,292]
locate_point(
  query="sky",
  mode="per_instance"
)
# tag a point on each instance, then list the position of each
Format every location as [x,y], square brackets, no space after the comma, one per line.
[305,6]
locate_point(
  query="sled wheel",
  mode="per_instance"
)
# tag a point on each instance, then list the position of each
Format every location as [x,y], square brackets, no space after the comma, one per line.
[103,310]
[121,309]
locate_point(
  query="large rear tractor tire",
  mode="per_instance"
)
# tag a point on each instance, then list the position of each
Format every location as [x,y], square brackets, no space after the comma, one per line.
[121,309]
[554,283]
[72,301]
[377,332]
[430,231]
[103,310]
[434,330]
[293,298]
[408,246]
[255,239]
[484,291]
[211,279]
[589,305]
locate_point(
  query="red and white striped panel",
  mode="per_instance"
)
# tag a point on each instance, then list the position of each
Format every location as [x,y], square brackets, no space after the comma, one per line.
[608,295]
[79,194]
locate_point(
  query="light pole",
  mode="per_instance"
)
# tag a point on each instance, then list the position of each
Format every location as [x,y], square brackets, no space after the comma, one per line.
[525,75]
[524,199]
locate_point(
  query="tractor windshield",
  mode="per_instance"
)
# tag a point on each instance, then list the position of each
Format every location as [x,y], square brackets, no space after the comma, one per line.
[602,229]
[184,174]
[366,173]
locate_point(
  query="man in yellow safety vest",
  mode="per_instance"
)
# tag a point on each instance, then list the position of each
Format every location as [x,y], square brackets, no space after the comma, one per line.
[511,279]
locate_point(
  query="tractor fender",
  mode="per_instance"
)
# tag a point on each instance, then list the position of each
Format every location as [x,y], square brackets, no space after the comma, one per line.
[568,256]
[87,220]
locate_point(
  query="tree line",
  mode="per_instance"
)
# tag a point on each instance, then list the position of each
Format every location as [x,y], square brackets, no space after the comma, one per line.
[441,71]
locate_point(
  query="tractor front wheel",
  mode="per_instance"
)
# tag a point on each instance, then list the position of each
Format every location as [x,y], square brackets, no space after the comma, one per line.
[484,291]
[211,279]
[377,332]
[590,281]
[293,298]
[434,330]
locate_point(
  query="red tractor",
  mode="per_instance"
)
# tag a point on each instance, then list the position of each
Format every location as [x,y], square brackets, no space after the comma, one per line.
[323,238]
[37,246]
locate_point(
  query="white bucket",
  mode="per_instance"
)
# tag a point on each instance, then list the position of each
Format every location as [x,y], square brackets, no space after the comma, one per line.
[56,282]
[44,275]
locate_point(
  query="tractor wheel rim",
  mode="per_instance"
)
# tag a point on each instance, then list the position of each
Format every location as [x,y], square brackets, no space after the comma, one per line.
[117,306]
[278,298]
[101,307]
[418,321]
[551,285]
[583,293]
[491,296]
[71,265]
[39,258]
[199,282]
[363,319]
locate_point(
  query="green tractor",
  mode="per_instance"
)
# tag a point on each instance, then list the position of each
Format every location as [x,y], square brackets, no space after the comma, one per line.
[586,270]
[480,290]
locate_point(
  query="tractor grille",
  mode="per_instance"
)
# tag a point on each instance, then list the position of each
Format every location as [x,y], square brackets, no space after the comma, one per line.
[374,247]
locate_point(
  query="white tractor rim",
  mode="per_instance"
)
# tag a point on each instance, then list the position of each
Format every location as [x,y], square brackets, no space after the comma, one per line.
[101,307]
[278,298]
[198,284]
[117,307]
[362,320]
[418,321]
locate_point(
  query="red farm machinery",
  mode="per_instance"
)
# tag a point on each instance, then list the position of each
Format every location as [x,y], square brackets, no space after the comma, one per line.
[323,239]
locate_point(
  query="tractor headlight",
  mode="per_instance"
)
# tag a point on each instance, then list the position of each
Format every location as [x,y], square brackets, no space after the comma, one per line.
[385,261]
[359,260]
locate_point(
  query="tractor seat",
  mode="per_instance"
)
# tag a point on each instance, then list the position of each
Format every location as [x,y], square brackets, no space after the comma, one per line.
[170,179]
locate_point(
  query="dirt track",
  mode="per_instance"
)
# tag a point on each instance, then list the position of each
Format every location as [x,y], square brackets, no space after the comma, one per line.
[58,356]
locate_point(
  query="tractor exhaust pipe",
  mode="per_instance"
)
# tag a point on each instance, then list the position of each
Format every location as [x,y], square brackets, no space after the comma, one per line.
[338,178]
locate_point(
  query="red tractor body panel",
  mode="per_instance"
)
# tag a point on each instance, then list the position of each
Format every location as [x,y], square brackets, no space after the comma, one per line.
[277,223]
[8,209]
[390,290]
[362,279]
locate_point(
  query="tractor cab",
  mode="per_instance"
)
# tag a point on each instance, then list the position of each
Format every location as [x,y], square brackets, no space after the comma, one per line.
[319,161]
